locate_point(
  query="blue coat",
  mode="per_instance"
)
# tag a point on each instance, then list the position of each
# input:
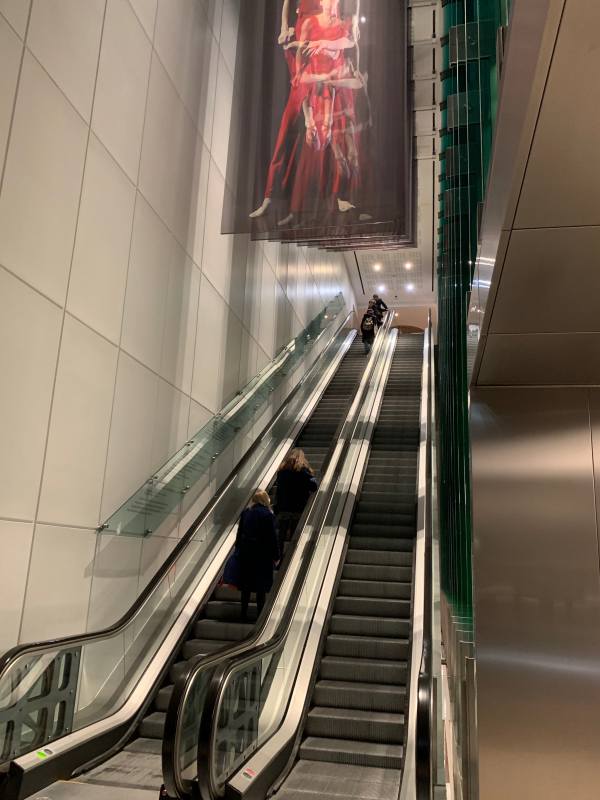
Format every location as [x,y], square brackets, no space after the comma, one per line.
[257,548]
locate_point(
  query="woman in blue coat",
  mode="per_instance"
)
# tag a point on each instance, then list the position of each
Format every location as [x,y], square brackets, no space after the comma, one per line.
[257,550]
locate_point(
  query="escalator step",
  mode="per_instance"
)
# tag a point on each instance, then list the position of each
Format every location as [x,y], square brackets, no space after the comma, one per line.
[163,698]
[363,696]
[372,607]
[344,723]
[381,588]
[317,779]
[364,754]
[346,624]
[220,609]
[362,669]
[387,557]
[202,647]
[153,726]
[376,572]
[380,543]
[215,629]
[401,531]
[367,647]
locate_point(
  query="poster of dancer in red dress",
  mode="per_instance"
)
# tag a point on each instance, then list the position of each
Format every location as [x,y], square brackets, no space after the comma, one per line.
[320,145]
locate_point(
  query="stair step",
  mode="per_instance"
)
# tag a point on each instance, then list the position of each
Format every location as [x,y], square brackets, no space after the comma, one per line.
[367,647]
[376,572]
[388,589]
[381,543]
[334,668]
[163,698]
[372,607]
[202,647]
[153,726]
[220,609]
[362,696]
[367,726]
[340,751]
[380,557]
[346,624]
[216,629]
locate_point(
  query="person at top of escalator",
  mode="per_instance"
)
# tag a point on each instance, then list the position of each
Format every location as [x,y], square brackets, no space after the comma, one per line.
[257,551]
[380,304]
[374,308]
[367,329]
[294,484]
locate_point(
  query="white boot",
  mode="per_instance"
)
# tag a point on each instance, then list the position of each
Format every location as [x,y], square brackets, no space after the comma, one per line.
[286,220]
[345,206]
[262,209]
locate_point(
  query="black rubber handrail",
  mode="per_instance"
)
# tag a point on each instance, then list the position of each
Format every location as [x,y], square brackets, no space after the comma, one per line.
[235,655]
[75,640]
[424,715]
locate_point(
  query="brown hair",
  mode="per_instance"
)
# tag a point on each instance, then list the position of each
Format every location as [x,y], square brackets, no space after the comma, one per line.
[261,498]
[295,460]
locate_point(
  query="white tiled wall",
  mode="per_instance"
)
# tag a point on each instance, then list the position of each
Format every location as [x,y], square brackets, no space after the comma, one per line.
[127,319]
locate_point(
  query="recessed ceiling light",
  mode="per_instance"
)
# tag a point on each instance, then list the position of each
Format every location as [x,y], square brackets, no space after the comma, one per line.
[377,267]
[410,287]
[381,288]
[363,20]
[408,265]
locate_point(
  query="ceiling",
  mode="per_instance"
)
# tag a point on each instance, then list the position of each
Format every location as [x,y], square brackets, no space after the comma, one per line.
[537,282]
[414,286]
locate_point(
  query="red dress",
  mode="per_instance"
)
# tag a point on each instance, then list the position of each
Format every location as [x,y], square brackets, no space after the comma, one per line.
[317,175]
[283,151]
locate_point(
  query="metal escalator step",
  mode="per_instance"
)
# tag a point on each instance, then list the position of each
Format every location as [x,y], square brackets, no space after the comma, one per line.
[381,543]
[372,607]
[376,572]
[362,696]
[366,647]
[153,726]
[393,531]
[163,698]
[346,624]
[336,668]
[227,593]
[385,516]
[216,629]
[220,609]
[202,647]
[352,587]
[339,751]
[386,557]
[346,723]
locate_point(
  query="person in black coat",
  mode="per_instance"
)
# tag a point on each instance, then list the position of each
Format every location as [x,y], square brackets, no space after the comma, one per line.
[380,304]
[257,550]
[294,483]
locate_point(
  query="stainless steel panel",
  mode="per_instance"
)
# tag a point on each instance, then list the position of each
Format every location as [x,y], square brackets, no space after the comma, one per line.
[550,282]
[562,182]
[537,594]
[536,359]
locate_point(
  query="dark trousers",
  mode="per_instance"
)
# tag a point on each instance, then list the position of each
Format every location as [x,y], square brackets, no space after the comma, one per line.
[260,602]
[287,522]
[367,344]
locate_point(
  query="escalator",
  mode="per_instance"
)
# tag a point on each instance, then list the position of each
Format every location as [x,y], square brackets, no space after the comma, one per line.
[326,706]
[359,700]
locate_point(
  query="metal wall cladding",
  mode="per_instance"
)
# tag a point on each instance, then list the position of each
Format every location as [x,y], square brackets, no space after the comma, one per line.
[535,466]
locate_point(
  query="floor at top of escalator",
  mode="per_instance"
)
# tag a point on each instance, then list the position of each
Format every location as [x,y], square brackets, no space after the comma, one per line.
[340,780]
[74,790]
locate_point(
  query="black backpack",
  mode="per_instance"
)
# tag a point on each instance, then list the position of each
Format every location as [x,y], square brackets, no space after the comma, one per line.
[368,324]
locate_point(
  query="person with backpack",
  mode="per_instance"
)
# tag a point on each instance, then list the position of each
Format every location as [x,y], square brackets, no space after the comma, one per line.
[294,483]
[257,551]
[378,314]
[367,329]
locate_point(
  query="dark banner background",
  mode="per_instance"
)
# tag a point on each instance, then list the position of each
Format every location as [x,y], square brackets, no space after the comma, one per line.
[261,90]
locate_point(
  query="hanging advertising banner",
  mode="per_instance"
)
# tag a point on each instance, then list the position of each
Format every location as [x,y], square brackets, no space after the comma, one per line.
[321,134]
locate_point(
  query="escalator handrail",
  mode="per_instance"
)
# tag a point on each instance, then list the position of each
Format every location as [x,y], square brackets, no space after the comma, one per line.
[248,648]
[424,714]
[76,640]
